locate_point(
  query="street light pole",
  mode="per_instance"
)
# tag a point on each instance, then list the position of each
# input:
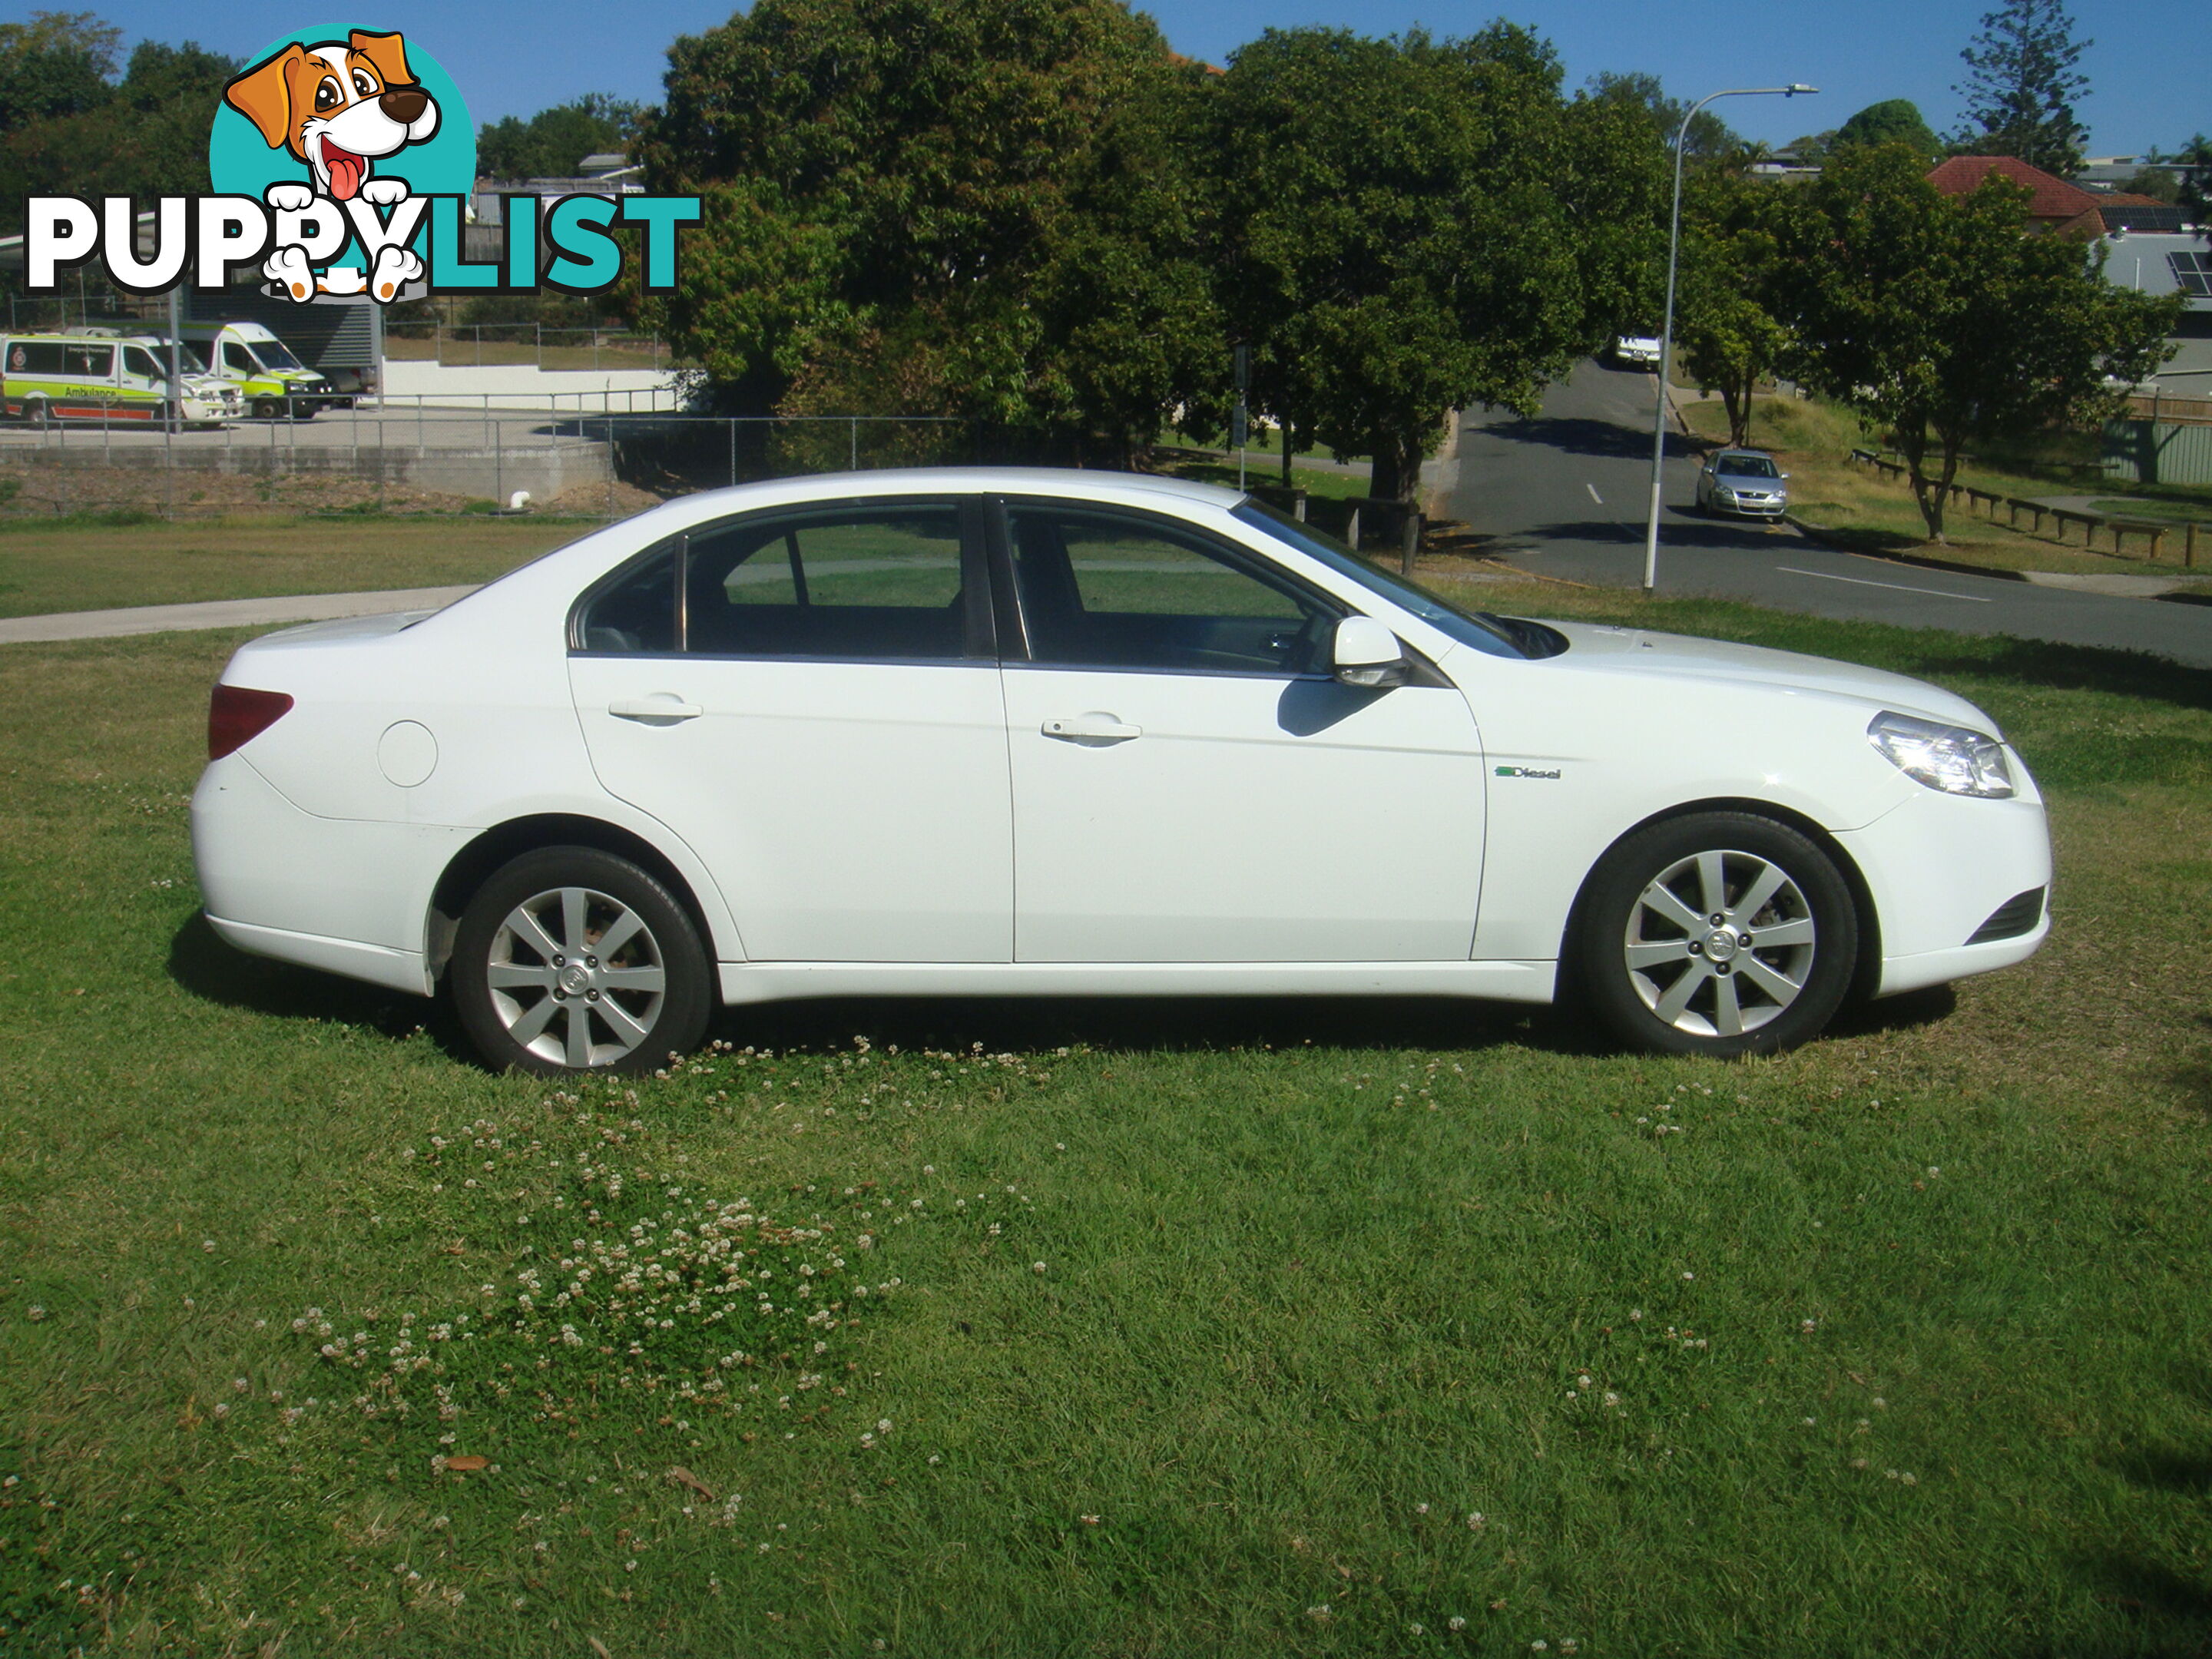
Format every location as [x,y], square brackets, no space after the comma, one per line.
[1666,326]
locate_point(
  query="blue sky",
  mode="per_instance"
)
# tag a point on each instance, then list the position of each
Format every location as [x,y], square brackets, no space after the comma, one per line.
[2150,69]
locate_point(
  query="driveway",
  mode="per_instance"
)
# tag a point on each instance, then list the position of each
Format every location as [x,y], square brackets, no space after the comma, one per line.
[1565,494]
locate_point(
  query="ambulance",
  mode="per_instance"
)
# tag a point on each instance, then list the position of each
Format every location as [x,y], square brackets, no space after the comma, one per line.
[105,377]
[274,383]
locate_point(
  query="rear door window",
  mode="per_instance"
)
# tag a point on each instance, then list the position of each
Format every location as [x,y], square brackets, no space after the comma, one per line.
[894,581]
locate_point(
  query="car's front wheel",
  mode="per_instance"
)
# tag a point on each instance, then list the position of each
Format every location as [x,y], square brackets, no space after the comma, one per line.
[571,959]
[1720,933]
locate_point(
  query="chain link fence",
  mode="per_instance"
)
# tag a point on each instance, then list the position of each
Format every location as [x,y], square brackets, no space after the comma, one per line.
[497,456]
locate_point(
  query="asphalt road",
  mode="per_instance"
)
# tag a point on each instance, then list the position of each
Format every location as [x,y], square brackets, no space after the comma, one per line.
[1565,494]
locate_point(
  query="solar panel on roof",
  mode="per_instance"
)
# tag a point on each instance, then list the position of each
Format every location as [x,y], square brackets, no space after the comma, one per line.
[2167,220]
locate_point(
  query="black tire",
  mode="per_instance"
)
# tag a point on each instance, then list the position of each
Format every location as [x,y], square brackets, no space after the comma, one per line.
[1761,980]
[267,409]
[531,1001]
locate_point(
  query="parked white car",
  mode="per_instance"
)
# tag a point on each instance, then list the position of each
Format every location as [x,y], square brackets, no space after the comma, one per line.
[1637,351]
[994,731]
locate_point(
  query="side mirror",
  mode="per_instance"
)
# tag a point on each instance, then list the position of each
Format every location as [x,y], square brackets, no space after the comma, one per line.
[1369,654]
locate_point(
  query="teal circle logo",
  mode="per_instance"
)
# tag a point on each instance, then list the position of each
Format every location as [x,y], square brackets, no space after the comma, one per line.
[334,107]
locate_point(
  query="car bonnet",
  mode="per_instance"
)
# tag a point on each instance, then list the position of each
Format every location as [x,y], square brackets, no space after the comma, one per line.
[1609,650]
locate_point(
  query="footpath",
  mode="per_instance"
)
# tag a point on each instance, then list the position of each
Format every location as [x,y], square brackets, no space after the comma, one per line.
[223,613]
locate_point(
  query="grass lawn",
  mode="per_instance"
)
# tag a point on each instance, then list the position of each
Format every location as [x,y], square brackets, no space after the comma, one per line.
[90,565]
[1871,513]
[1125,1330]
[1264,471]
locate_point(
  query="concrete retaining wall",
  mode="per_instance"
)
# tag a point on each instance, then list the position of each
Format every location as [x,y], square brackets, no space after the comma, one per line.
[544,470]
[617,391]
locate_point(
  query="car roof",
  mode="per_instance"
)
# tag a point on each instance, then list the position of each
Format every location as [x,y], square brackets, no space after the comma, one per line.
[1135,489]
[1741,455]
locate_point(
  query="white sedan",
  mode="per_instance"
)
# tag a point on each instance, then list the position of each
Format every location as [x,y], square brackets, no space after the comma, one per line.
[1000,731]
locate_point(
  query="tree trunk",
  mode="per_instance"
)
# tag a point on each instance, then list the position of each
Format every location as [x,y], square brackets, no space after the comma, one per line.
[1736,392]
[1286,429]
[1396,475]
[1929,494]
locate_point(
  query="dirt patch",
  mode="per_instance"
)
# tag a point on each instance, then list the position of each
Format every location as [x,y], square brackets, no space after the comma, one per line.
[611,500]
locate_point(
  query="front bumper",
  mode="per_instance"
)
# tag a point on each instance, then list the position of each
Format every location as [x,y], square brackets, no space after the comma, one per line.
[1742,509]
[1940,866]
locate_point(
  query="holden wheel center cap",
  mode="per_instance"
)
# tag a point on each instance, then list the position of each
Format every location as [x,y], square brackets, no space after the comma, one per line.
[1721,944]
[575,979]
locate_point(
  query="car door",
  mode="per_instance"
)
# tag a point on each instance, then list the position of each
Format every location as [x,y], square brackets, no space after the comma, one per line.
[1191,785]
[810,699]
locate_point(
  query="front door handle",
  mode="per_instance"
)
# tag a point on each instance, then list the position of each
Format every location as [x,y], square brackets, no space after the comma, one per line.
[661,708]
[1094,729]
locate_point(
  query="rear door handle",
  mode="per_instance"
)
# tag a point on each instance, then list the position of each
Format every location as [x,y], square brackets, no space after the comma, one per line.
[661,708]
[1094,729]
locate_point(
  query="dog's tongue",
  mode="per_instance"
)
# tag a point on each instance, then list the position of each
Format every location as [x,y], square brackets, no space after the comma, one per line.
[346,170]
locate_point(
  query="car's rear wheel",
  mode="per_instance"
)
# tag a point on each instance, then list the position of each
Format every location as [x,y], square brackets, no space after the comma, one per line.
[570,959]
[1720,933]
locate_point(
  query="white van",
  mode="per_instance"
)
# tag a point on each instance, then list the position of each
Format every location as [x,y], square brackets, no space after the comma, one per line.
[274,383]
[46,378]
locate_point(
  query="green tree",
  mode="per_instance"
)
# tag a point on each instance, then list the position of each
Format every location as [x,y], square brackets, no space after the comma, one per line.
[553,143]
[142,136]
[1413,225]
[1725,328]
[58,63]
[1944,321]
[2193,188]
[2021,85]
[1710,138]
[1893,121]
[969,210]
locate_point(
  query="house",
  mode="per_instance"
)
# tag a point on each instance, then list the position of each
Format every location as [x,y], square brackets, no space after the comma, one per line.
[2054,206]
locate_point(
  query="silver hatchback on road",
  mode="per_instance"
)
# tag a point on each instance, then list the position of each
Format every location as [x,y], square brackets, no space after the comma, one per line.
[1743,482]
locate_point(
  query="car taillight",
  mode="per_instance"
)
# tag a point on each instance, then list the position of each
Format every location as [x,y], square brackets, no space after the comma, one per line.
[237,715]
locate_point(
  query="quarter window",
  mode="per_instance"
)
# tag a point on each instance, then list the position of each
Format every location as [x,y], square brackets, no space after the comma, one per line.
[1110,590]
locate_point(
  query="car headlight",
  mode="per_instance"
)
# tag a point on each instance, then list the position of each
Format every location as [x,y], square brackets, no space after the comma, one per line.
[1951,758]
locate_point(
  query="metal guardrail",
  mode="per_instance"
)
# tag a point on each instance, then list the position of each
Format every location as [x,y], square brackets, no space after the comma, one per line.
[2120,527]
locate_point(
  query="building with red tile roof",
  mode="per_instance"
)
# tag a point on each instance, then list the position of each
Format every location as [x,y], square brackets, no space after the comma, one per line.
[2053,206]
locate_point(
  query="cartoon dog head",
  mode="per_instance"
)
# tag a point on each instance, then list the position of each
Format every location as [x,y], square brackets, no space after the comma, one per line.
[337,105]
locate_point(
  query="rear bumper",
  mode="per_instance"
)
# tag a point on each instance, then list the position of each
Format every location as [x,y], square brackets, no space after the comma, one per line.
[379,964]
[348,895]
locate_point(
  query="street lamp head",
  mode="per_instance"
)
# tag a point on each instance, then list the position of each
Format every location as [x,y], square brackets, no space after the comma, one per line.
[1796,86]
